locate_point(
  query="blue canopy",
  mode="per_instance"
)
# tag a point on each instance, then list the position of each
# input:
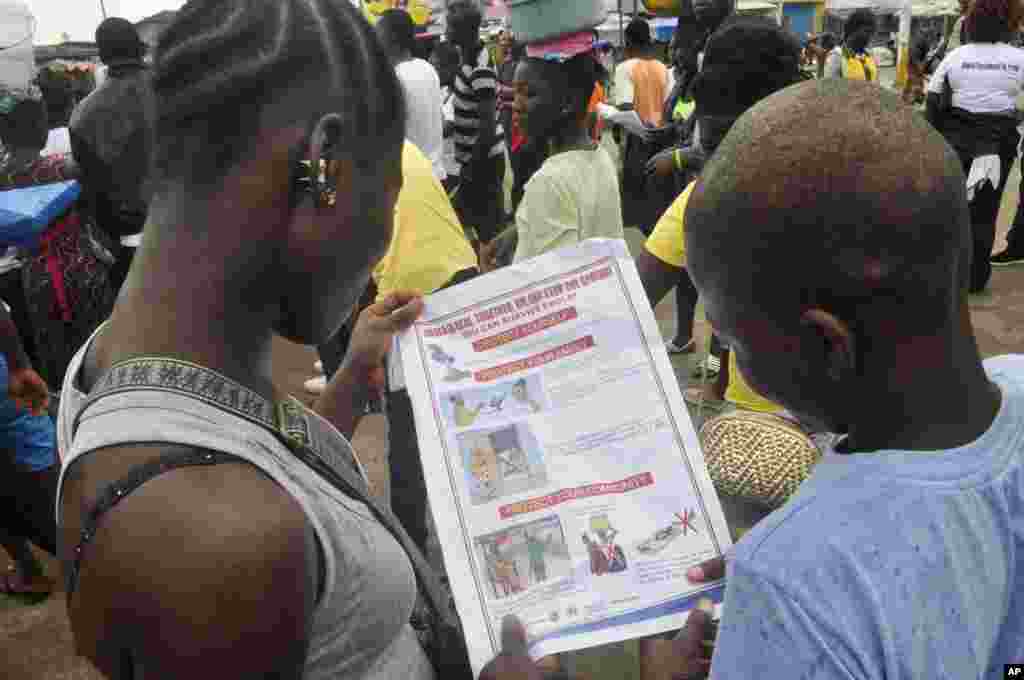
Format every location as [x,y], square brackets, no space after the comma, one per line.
[25,213]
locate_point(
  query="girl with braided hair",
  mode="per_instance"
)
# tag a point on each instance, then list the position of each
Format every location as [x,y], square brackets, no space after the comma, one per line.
[575,193]
[203,529]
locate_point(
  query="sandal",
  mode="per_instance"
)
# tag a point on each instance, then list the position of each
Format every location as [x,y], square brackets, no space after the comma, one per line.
[694,396]
[13,583]
[708,368]
[688,348]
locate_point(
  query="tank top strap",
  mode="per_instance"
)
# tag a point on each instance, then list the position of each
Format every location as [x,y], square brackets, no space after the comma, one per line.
[117,491]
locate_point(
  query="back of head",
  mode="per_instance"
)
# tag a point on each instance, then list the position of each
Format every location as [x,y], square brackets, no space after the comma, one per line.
[575,77]
[23,126]
[858,29]
[399,29]
[118,40]
[746,60]
[464,17]
[228,70]
[832,194]
[988,21]
[638,34]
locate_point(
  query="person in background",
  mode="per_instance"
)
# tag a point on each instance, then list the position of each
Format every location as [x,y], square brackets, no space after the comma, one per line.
[958,34]
[421,84]
[852,60]
[984,78]
[525,156]
[857,316]
[429,251]
[744,52]
[818,49]
[446,59]
[28,466]
[575,193]
[110,141]
[642,84]
[233,547]
[913,88]
[479,138]
[58,288]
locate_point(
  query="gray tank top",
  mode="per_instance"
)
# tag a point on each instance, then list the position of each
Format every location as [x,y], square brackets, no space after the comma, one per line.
[361,623]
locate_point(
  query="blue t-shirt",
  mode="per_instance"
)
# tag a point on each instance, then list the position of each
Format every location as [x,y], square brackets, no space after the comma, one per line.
[32,439]
[893,565]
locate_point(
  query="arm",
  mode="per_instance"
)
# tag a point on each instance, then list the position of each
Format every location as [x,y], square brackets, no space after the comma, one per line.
[174,594]
[361,376]
[769,629]
[485,87]
[933,102]
[657,277]
[623,88]
[10,342]
[24,385]
[663,259]
[833,65]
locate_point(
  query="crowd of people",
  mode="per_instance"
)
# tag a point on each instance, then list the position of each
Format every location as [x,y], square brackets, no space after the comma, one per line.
[210,526]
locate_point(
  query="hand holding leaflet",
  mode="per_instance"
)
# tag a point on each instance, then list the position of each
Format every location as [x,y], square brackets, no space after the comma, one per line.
[565,477]
[627,119]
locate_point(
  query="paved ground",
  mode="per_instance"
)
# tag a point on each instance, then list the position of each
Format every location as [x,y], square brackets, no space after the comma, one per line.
[35,640]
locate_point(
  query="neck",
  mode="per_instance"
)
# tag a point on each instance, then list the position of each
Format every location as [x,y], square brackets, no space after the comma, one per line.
[218,315]
[937,395]
[574,137]
[401,56]
[470,51]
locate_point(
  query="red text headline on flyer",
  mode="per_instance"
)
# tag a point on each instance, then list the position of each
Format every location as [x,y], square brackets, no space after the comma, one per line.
[560,352]
[524,330]
[564,495]
[515,307]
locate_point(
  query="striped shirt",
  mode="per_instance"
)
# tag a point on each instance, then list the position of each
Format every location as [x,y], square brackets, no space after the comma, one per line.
[473,85]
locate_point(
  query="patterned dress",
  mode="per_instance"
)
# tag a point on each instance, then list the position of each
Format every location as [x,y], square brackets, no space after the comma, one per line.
[66,275]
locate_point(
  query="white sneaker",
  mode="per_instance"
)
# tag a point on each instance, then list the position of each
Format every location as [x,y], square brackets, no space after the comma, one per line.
[318,367]
[317,385]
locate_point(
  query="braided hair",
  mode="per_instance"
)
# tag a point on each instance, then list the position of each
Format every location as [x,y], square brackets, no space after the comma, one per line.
[225,69]
[577,77]
[988,21]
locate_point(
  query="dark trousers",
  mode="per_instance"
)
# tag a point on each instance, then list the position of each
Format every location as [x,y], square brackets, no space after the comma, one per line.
[1015,237]
[26,505]
[984,213]
[12,291]
[480,202]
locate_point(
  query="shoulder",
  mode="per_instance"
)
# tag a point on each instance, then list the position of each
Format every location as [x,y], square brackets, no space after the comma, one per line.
[199,555]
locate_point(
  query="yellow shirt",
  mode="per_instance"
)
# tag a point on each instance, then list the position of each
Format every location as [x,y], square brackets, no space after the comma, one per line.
[668,243]
[429,246]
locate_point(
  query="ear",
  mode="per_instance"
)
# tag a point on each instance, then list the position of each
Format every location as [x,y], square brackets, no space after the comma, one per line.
[838,340]
[325,140]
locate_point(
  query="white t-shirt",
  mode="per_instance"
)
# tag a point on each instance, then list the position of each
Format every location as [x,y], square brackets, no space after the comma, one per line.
[424,126]
[574,196]
[984,77]
[58,143]
[451,164]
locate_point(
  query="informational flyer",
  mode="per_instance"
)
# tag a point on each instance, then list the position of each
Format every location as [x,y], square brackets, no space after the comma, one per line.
[564,474]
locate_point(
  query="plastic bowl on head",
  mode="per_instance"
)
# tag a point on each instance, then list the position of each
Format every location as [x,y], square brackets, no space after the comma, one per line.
[538,20]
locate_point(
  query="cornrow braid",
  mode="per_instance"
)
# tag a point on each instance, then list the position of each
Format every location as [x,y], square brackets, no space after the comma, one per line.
[224,68]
